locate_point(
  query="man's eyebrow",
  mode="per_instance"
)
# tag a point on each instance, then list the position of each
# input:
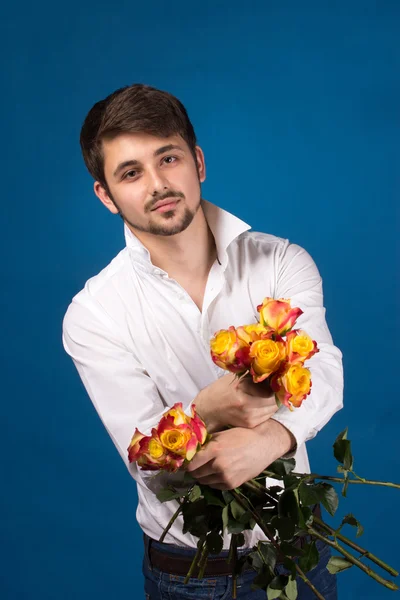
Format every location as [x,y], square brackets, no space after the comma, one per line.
[167,149]
[126,163]
[135,163]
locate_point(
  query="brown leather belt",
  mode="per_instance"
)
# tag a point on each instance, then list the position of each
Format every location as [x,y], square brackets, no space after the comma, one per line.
[178,564]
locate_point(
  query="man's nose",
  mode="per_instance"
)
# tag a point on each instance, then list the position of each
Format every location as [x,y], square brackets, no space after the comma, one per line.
[157,182]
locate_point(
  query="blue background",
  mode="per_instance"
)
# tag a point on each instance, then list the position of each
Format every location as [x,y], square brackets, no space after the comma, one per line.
[296,106]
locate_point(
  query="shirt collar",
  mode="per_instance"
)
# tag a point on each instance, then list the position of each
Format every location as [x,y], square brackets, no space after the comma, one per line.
[224,226]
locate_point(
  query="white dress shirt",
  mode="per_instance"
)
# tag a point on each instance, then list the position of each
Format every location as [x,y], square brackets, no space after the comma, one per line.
[140,344]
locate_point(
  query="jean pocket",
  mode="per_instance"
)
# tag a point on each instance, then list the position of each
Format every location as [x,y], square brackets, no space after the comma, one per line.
[195,589]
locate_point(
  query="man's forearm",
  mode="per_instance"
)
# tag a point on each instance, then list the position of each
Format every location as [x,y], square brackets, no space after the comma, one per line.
[276,433]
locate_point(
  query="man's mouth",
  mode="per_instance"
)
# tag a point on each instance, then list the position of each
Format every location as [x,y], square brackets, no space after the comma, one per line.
[166,204]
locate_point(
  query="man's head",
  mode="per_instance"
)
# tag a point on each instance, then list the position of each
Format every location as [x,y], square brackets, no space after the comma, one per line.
[140,147]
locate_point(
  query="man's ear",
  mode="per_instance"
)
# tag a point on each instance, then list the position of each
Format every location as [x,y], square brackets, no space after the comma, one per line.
[102,194]
[201,164]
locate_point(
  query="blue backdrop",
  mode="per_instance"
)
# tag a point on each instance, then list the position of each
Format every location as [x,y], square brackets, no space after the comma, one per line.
[296,106]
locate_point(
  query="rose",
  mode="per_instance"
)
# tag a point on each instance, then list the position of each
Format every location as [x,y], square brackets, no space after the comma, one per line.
[229,351]
[299,346]
[267,356]
[198,426]
[177,438]
[253,332]
[181,418]
[292,386]
[180,440]
[149,453]
[278,314]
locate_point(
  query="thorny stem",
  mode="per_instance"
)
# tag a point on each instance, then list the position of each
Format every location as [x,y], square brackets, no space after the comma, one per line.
[355,547]
[175,515]
[269,535]
[194,561]
[259,487]
[311,476]
[353,559]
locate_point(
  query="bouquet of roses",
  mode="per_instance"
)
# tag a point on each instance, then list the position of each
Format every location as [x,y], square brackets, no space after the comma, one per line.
[260,351]
[284,513]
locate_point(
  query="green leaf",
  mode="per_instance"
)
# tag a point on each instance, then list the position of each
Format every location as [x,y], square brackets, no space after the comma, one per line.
[256,561]
[214,542]
[195,493]
[309,493]
[319,492]
[351,520]
[268,553]
[252,524]
[284,526]
[290,565]
[211,497]
[235,526]
[309,558]
[240,540]
[291,482]
[290,549]
[279,582]
[342,450]
[291,589]
[342,435]
[227,496]
[289,507]
[168,494]
[188,477]
[307,516]
[329,498]
[282,466]
[237,510]
[276,587]
[337,564]
[262,579]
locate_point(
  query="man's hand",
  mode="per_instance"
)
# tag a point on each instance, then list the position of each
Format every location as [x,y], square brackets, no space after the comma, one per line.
[237,455]
[241,404]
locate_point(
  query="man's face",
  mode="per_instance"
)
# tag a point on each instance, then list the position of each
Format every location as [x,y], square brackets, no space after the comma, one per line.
[143,170]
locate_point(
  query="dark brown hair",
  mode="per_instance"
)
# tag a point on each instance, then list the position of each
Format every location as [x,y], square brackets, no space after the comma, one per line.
[132,109]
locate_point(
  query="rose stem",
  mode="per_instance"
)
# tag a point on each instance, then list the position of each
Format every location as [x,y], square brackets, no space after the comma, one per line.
[353,559]
[355,547]
[273,542]
[311,476]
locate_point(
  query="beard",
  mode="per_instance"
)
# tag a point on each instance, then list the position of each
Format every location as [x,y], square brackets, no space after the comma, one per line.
[169,225]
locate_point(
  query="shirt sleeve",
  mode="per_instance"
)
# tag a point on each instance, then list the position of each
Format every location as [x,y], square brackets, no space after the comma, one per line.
[122,392]
[298,279]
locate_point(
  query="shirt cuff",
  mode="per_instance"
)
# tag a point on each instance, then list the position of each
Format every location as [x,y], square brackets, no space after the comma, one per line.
[296,426]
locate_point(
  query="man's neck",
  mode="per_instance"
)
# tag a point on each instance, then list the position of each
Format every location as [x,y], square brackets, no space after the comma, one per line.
[188,255]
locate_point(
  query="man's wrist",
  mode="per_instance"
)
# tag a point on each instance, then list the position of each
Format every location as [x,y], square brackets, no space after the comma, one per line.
[205,415]
[284,439]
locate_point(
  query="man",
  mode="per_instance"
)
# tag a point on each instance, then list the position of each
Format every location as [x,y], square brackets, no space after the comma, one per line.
[139,331]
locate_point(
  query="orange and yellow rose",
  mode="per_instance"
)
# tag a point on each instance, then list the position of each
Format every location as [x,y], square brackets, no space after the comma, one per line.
[292,386]
[278,314]
[267,357]
[229,351]
[176,439]
[252,333]
[300,346]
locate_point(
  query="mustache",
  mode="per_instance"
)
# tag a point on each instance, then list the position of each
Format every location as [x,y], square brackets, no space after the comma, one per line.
[170,194]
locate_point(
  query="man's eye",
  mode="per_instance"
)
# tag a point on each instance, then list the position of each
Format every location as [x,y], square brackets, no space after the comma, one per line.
[169,159]
[130,174]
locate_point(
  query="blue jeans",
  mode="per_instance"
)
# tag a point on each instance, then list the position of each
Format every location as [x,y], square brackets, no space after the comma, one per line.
[164,586]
